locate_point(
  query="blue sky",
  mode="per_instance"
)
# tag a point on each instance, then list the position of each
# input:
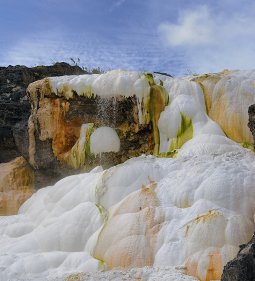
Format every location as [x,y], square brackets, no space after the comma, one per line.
[174,36]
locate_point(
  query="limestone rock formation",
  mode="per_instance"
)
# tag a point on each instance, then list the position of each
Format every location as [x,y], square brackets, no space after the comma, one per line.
[189,207]
[16,185]
[66,111]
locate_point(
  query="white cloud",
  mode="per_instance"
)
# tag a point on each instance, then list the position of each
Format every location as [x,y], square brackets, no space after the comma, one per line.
[213,40]
[193,28]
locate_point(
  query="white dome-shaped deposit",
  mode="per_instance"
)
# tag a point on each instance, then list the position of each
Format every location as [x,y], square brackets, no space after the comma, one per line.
[104,139]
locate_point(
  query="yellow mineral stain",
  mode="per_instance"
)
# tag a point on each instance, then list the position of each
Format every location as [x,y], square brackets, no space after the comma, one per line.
[76,157]
[207,83]
[191,268]
[16,185]
[215,267]
[31,137]
[221,106]
[137,247]
[204,218]
[212,271]
[48,119]
[154,104]
[211,214]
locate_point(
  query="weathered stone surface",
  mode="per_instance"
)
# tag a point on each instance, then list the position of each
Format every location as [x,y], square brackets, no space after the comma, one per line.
[55,126]
[242,268]
[14,105]
[16,185]
[66,111]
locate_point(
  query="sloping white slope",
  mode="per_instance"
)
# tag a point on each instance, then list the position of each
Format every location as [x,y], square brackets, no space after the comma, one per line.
[192,209]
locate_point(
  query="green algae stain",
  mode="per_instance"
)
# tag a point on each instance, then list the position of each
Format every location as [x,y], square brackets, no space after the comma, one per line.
[87,92]
[150,78]
[80,152]
[102,265]
[103,213]
[185,133]
[155,102]
[87,151]
[207,106]
[67,92]
[169,154]
[247,145]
